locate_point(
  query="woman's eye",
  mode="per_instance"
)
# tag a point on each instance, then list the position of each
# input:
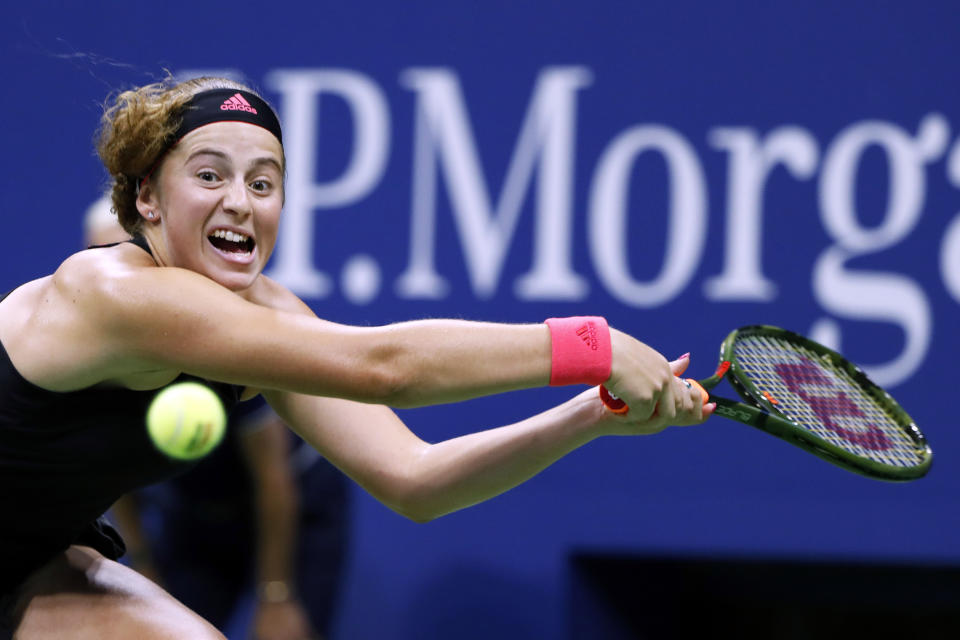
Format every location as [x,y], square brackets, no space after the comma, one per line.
[260,185]
[207,176]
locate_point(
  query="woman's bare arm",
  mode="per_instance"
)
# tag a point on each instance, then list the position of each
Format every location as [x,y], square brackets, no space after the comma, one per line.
[103,318]
[423,481]
[111,315]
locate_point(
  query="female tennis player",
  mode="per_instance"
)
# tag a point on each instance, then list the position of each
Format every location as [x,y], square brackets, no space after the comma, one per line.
[198,174]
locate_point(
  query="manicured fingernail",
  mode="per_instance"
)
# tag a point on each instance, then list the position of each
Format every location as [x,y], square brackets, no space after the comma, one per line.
[686,355]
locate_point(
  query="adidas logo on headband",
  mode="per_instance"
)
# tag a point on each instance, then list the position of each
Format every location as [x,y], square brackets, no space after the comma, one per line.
[236,102]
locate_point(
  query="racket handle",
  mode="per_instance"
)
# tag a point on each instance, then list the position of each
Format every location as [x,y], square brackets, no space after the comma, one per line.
[616,405]
[612,402]
[704,394]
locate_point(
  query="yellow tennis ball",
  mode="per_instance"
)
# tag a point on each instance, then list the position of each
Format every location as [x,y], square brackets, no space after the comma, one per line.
[186,420]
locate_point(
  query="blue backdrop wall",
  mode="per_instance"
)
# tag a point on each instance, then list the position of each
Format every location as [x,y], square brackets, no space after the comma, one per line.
[681,168]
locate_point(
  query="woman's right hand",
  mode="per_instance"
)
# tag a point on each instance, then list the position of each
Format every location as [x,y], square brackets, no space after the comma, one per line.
[648,383]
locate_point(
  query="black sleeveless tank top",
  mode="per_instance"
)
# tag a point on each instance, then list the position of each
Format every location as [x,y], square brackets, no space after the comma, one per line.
[65,457]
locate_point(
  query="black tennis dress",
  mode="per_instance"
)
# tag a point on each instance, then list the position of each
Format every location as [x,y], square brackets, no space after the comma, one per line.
[64,459]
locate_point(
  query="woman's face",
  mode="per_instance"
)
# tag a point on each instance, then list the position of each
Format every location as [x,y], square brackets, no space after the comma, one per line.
[218,194]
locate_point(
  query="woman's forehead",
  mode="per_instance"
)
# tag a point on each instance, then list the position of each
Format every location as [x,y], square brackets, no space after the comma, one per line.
[239,140]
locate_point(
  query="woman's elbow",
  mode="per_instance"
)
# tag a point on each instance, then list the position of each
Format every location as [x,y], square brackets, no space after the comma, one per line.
[415,502]
[418,515]
[387,384]
[395,377]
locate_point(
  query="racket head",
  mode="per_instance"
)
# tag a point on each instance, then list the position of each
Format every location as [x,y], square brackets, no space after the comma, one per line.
[818,400]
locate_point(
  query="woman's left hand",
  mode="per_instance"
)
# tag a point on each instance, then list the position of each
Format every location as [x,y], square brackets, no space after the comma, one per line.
[687,403]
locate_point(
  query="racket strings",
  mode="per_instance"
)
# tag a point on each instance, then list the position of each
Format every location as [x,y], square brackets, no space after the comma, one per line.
[823,398]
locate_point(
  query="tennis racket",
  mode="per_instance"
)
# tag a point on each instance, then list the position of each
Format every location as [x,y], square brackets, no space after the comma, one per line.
[812,397]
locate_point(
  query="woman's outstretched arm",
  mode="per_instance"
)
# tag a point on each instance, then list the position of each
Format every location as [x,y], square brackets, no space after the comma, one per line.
[423,481]
[109,320]
[111,315]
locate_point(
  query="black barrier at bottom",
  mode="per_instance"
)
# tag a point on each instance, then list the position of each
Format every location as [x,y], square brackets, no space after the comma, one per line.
[623,596]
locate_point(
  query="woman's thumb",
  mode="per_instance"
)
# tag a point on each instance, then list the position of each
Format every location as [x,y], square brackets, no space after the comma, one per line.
[679,365]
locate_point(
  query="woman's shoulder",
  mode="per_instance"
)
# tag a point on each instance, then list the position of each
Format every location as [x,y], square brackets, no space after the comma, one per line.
[95,264]
[63,314]
[77,274]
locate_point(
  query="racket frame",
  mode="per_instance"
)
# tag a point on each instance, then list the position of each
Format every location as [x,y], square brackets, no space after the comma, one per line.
[758,411]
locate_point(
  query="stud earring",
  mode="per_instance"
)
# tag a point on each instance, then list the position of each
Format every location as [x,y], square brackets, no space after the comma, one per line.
[151,215]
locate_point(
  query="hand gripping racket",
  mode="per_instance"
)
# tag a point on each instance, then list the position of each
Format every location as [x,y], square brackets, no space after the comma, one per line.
[814,398]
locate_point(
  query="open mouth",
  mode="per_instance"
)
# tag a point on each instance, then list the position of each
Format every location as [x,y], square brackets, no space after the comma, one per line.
[232,242]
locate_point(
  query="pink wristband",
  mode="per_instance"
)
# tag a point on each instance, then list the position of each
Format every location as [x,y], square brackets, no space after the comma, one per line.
[580,350]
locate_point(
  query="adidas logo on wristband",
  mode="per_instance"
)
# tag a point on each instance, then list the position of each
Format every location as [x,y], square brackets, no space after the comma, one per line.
[588,333]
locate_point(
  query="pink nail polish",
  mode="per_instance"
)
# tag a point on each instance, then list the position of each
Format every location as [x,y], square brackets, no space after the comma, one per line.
[686,355]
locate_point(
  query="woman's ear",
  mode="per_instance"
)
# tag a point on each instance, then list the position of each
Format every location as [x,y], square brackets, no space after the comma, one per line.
[147,203]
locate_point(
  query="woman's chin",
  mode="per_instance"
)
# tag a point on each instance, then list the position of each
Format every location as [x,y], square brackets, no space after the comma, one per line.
[235,280]
[235,271]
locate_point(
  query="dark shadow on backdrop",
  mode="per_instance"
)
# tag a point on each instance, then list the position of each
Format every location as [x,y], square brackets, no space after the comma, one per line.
[621,597]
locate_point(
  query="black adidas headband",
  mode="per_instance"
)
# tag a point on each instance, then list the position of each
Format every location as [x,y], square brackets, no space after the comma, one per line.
[227,105]
[222,105]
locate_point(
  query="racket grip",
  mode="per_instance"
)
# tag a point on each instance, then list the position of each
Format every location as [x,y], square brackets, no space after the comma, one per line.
[704,394]
[616,405]
[612,402]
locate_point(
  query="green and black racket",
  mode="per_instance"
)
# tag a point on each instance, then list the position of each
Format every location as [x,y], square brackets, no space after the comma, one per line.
[804,393]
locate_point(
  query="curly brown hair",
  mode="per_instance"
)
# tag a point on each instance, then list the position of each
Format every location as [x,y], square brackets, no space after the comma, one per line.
[136,129]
